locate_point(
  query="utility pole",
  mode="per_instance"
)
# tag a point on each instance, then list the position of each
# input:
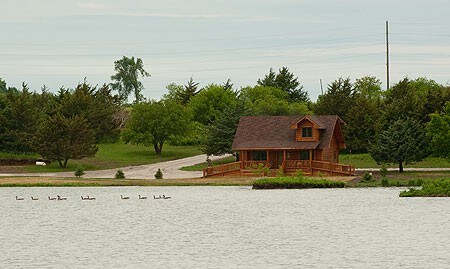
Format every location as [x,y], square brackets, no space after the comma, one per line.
[321,87]
[387,54]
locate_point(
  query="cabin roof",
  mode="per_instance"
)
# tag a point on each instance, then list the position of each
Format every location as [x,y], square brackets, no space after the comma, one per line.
[275,132]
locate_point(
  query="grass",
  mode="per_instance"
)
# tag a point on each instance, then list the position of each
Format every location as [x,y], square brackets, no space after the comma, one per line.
[201,166]
[295,183]
[405,179]
[364,160]
[436,188]
[117,155]
[82,182]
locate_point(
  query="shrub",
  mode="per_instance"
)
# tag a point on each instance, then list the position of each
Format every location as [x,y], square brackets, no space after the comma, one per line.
[295,183]
[280,172]
[299,173]
[120,174]
[79,172]
[384,182]
[383,171]
[367,177]
[411,182]
[437,188]
[159,174]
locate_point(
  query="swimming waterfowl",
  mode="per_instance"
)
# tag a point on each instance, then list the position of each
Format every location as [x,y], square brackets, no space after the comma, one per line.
[51,198]
[124,197]
[166,197]
[142,197]
[19,198]
[34,198]
[61,198]
[90,198]
[84,198]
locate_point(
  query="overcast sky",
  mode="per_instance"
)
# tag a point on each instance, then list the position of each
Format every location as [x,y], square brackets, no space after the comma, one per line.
[59,42]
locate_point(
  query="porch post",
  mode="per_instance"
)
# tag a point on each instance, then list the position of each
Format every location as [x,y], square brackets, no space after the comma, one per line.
[310,158]
[267,160]
[284,160]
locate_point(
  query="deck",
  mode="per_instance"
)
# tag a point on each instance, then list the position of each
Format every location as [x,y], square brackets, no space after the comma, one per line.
[290,167]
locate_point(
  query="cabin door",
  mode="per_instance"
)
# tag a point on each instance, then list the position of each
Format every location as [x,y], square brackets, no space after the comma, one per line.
[276,159]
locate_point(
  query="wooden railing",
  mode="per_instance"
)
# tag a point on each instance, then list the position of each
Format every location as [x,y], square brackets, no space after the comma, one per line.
[320,166]
[289,165]
[221,169]
[254,164]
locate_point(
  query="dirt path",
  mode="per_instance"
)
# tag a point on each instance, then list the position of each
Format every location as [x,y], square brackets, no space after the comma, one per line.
[170,170]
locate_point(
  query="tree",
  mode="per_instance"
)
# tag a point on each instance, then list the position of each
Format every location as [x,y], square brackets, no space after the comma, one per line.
[337,100]
[285,81]
[61,138]
[210,102]
[438,130]
[182,94]
[220,134]
[403,142]
[20,115]
[153,123]
[126,80]
[271,101]
[98,106]
[416,99]
[363,117]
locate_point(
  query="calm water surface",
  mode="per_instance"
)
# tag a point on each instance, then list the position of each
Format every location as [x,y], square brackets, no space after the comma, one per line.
[223,227]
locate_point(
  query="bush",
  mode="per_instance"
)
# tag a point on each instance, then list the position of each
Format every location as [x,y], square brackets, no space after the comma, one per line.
[437,188]
[367,177]
[384,182]
[79,172]
[383,171]
[295,183]
[280,172]
[120,174]
[159,174]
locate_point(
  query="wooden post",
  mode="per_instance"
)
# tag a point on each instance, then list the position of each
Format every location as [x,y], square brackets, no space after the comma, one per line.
[267,159]
[284,160]
[310,158]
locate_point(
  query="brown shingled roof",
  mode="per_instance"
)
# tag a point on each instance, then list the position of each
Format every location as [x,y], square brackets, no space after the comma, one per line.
[274,132]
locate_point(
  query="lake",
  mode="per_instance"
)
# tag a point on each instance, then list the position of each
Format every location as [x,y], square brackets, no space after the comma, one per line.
[223,227]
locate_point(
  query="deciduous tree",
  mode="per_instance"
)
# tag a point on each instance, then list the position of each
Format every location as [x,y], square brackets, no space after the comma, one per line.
[153,123]
[438,130]
[126,79]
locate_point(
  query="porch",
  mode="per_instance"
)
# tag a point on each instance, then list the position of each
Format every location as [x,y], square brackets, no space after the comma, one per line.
[290,167]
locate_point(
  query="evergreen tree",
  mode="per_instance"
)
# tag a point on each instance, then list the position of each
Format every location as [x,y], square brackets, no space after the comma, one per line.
[61,138]
[403,142]
[338,100]
[438,130]
[285,81]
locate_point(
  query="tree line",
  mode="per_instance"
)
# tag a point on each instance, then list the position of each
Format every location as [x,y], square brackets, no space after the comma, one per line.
[403,124]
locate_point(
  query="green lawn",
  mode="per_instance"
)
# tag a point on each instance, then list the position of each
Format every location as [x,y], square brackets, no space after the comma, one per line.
[116,155]
[365,161]
[201,166]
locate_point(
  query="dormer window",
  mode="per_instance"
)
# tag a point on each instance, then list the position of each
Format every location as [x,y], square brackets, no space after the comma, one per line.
[306,131]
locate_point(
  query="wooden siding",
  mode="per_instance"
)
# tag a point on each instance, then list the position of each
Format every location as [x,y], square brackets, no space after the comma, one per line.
[315,131]
[331,154]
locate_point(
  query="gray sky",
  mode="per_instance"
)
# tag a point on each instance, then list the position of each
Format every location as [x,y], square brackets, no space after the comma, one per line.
[59,42]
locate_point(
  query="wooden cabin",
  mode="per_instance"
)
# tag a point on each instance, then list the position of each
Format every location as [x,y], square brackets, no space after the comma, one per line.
[309,143]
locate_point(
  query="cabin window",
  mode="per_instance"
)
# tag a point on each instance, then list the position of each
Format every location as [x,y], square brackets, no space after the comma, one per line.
[304,155]
[259,155]
[307,132]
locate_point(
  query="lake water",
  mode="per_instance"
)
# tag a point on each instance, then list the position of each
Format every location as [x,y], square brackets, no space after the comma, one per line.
[223,227]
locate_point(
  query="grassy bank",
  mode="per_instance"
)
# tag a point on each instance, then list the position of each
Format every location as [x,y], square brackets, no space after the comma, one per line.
[436,188]
[81,182]
[395,179]
[113,156]
[295,183]
[364,160]
[201,166]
